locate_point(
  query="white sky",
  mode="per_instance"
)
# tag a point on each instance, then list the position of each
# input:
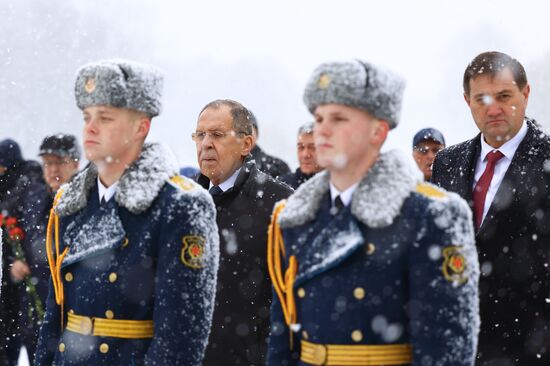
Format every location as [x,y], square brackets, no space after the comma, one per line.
[261,54]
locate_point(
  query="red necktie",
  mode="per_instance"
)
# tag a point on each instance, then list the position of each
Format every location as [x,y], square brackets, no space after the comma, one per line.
[482,186]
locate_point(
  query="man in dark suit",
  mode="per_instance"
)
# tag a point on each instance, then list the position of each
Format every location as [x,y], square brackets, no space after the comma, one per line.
[504,173]
[244,198]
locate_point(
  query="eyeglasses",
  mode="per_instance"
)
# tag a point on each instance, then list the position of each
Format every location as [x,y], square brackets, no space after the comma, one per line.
[424,149]
[198,136]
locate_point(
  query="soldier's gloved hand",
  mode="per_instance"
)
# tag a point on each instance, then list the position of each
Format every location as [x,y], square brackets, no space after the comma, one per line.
[19,270]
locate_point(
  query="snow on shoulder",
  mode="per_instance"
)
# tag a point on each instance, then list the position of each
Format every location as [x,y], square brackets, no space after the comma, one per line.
[376,202]
[138,186]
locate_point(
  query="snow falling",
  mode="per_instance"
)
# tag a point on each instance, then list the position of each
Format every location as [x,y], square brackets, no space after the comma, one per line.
[240,51]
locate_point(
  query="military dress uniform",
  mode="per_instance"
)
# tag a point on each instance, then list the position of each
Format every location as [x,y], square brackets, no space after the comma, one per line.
[133,279]
[391,279]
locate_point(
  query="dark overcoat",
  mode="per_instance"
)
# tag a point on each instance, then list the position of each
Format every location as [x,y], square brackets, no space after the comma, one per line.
[241,318]
[514,249]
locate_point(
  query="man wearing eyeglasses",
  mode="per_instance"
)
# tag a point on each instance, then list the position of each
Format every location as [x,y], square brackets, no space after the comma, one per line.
[244,198]
[426,144]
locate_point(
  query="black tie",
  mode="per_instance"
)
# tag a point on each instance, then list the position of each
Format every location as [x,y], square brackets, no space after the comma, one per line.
[338,204]
[102,202]
[215,190]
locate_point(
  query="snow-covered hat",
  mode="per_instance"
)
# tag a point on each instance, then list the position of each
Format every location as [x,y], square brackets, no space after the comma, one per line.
[120,84]
[356,84]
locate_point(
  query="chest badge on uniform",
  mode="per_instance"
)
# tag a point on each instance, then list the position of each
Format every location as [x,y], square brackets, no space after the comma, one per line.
[192,252]
[454,265]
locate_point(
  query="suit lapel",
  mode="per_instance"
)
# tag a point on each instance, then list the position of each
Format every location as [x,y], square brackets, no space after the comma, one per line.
[507,190]
[466,169]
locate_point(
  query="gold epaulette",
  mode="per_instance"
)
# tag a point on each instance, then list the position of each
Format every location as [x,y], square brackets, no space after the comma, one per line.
[182,183]
[429,190]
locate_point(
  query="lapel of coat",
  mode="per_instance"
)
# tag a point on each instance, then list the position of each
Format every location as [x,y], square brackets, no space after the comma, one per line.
[508,189]
[465,169]
[329,242]
[93,231]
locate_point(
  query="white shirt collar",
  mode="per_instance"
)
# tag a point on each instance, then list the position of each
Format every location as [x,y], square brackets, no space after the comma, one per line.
[107,192]
[345,196]
[229,182]
[508,149]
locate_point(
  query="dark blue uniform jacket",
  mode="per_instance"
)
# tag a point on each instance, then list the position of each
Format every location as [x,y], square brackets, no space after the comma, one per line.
[129,259]
[378,272]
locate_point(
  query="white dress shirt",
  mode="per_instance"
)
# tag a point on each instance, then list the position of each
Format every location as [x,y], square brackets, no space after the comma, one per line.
[229,182]
[508,149]
[345,196]
[107,192]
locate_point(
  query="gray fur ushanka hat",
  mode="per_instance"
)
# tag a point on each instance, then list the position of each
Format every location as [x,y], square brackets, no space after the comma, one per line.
[356,84]
[121,84]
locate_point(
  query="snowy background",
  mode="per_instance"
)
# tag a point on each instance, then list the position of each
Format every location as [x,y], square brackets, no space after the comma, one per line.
[261,54]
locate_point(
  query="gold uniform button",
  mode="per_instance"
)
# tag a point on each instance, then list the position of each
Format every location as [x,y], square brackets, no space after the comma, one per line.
[301,293]
[305,335]
[370,248]
[357,336]
[125,243]
[104,348]
[71,311]
[359,293]
[112,277]
[61,347]
[68,276]
[109,314]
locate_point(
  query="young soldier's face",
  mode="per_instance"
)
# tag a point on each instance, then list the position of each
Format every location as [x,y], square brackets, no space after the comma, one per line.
[497,106]
[220,149]
[344,136]
[58,170]
[110,134]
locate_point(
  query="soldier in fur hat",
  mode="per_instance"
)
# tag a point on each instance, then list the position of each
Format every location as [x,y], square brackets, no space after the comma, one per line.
[132,246]
[370,265]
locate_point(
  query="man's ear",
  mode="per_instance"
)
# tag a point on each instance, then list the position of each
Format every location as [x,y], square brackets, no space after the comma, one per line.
[467,99]
[526,90]
[248,144]
[144,125]
[380,131]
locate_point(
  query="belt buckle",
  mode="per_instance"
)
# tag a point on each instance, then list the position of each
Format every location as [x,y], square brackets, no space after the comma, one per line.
[86,325]
[320,354]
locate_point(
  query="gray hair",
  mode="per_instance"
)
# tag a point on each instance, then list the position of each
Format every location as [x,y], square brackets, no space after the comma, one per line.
[242,117]
[306,128]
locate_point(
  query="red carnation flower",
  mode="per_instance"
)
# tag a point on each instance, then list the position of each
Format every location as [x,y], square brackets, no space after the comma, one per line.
[16,233]
[11,222]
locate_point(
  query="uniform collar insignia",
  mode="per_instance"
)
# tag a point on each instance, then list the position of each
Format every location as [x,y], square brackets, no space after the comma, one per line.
[138,186]
[376,202]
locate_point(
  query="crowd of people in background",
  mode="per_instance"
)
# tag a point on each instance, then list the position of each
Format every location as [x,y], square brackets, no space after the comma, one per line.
[349,258]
